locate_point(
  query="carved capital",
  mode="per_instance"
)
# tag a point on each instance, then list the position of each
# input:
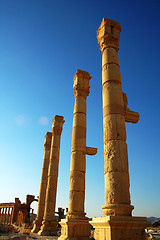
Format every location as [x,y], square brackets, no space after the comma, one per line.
[47,140]
[57,124]
[81,83]
[81,91]
[108,34]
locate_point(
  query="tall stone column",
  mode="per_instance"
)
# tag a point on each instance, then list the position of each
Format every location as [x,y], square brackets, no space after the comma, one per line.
[118,223]
[43,184]
[76,225]
[117,196]
[49,223]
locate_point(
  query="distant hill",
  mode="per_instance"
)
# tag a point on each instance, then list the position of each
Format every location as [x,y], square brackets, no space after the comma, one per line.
[152,219]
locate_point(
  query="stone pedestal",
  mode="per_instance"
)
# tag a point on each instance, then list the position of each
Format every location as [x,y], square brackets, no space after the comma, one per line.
[43,185]
[75,229]
[119,228]
[49,227]
[76,226]
[49,223]
[117,223]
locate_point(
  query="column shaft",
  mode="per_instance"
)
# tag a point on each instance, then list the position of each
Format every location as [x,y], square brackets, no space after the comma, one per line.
[8,214]
[49,223]
[117,196]
[77,226]
[118,223]
[43,184]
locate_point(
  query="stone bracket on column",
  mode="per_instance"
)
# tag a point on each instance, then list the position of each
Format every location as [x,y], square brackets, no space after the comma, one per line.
[91,151]
[130,116]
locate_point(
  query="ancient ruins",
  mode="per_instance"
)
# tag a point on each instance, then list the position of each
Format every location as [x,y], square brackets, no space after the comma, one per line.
[17,212]
[118,222]
[76,225]
[43,185]
[49,224]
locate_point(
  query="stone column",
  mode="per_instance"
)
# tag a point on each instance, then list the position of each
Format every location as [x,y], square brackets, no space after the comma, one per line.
[117,208]
[5,214]
[76,225]
[8,214]
[49,223]
[117,196]
[43,184]
[11,216]
[15,210]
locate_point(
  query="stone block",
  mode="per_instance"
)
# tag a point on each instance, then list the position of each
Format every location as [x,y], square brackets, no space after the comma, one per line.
[111,72]
[119,227]
[78,133]
[79,120]
[75,229]
[116,156]
[76,201]
[114,127]
[77,180]
[55,141]
[48,228]
[80,105]
[80,164]
[117,188]
[110,56]
[112,93]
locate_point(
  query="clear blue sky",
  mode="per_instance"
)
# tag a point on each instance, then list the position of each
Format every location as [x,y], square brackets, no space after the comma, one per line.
[42,44]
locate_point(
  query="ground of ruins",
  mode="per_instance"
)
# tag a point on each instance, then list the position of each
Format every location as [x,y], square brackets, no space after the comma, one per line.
[118,222]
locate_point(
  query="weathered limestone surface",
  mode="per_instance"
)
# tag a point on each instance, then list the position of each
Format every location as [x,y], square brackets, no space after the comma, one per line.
[49,223]
[117,196]
[119,228]
[43,184]
[76,226]
[117,223]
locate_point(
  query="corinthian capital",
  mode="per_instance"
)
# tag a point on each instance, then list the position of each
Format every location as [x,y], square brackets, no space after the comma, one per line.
[108,34]
[81,83]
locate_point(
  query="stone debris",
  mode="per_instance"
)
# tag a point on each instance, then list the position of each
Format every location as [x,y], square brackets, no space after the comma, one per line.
[5,228]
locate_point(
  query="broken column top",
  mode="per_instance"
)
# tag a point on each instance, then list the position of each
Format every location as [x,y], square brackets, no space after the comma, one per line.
[81,78]
[108,34]
[81,83]
[47,140]
[57,124]
[58,118]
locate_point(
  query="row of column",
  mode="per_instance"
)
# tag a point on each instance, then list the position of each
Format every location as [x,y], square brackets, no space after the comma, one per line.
[6,214]
[76,222]
[45,223]
[118,223]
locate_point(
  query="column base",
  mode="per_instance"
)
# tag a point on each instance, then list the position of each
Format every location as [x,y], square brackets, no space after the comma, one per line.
[75,229]
[117,209]
[37,225]
[48,228]
[119,228]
